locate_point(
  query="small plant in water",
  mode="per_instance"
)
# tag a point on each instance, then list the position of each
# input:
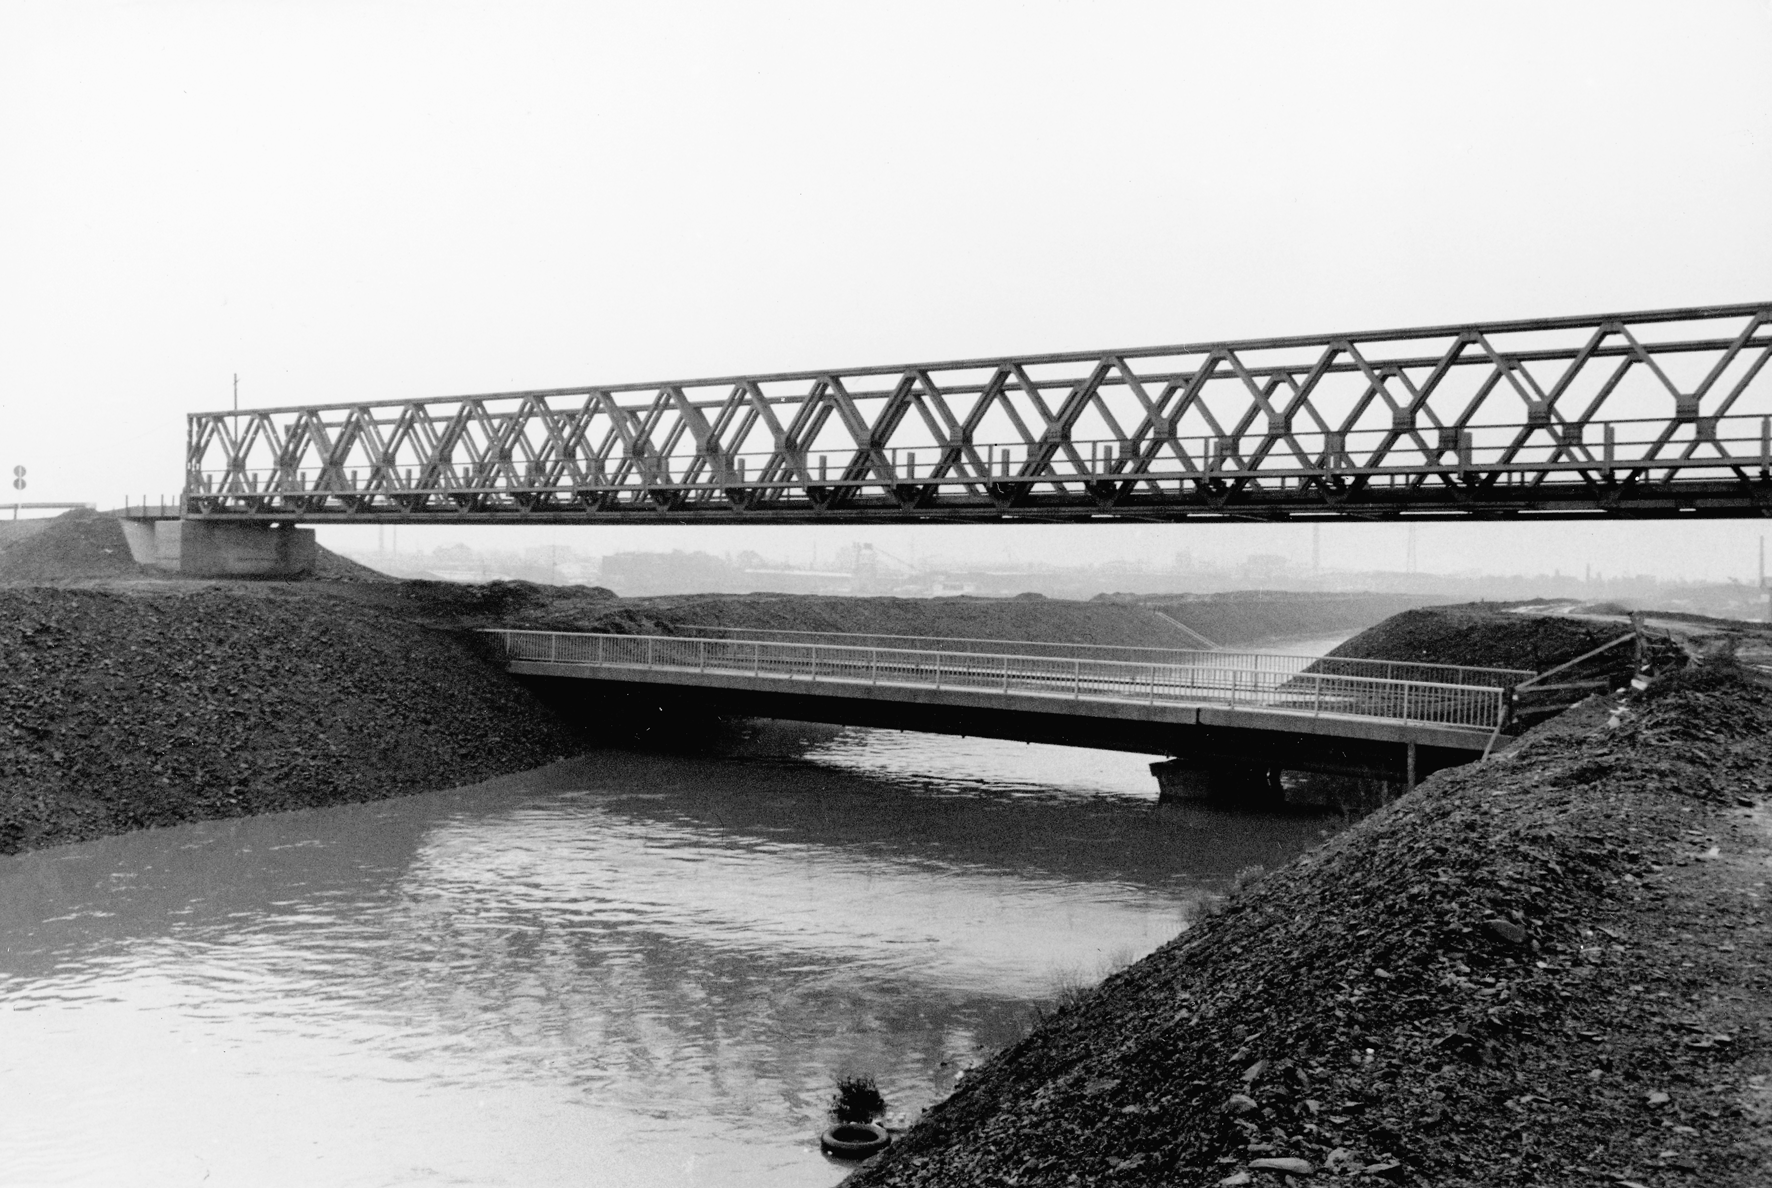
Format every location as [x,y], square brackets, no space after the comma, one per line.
[857,1100]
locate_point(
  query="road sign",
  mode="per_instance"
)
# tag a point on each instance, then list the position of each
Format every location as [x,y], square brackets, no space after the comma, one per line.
[18,472]
[18,484]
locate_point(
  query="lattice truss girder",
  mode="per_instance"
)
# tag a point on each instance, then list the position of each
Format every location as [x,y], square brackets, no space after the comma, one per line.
[1620,412]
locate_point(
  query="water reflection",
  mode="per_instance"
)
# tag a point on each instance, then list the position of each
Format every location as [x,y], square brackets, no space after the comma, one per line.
[627,969]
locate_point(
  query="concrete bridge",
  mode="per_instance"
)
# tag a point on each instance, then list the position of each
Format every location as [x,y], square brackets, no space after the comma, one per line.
[1231,721]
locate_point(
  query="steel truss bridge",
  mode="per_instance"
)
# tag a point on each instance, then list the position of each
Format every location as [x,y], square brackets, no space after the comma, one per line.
[1344,716]
[1655,414]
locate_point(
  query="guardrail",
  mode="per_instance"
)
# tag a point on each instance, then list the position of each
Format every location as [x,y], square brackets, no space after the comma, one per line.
[1392,670]
[1477,707]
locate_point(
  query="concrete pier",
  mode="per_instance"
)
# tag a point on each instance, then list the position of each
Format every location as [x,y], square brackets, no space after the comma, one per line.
[1217,781]
[200,548]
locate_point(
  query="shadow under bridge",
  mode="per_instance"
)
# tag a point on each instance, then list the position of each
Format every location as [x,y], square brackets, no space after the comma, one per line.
[1230,721]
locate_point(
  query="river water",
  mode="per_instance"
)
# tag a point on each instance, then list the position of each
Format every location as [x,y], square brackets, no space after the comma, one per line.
[626,969]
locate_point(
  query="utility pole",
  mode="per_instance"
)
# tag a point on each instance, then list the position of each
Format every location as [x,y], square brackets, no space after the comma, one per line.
[236,391]
[1764,592]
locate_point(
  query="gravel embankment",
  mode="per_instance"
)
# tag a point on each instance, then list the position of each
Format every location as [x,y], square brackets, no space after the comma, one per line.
[1494,636]
[153,703]
[1029,618]
[86,545]
[1245,618]
[1549,969]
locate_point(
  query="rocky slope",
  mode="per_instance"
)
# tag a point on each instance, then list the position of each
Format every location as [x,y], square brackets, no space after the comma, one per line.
[1244,618]
[1030,617]
[79,545]
[1492,635]
[1549,969]
[151,703]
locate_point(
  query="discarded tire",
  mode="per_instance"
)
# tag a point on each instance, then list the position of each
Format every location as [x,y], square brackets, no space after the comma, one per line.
[853,1140]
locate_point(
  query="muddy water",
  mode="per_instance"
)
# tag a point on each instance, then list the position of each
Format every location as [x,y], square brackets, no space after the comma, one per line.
[624,970]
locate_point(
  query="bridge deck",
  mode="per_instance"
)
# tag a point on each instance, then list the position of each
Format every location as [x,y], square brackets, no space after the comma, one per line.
[1217,691]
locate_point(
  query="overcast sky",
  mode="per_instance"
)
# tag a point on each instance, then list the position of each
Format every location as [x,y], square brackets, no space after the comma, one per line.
[345,201]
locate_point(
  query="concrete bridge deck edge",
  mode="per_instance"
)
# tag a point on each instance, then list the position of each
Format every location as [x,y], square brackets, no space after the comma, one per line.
[1167,713]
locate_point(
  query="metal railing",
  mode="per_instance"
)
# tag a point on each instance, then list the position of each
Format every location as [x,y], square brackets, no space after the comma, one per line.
[1075,678]
[1266,662]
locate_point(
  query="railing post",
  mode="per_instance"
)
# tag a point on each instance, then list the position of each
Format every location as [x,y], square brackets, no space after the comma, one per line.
[553,646]
[1076,680]
[757,657]
[1005,674]
[600,640]
[704,655]
[938,668]
[648,651]
[873,666]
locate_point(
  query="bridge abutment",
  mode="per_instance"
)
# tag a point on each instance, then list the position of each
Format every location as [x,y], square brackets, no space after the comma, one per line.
[1229,783]
[198,548]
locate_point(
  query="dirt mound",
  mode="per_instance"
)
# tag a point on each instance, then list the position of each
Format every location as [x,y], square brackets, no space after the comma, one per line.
[1244,617]
[1547,969]
[1048,619]
[333,567]
[122,709]
[73,545]
[13,531]
[1488,635]
[79,545]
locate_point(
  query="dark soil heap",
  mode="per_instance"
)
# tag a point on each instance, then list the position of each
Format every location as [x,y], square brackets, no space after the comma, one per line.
[1488,635]
[127,708]
[1027,617]
[1548,969]
[1242,617]
[80,545]
[76,544]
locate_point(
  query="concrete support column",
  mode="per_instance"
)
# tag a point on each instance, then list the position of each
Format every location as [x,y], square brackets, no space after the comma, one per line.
[200,548]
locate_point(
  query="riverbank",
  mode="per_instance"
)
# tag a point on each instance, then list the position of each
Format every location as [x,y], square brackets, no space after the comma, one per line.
[131,702]
[135,704]
[1545,969]
[128,702]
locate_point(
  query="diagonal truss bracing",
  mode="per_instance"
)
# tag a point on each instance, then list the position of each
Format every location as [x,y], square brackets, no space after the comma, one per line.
[1662,413]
